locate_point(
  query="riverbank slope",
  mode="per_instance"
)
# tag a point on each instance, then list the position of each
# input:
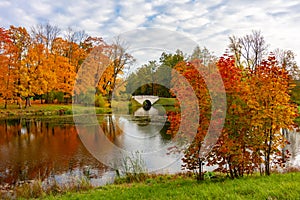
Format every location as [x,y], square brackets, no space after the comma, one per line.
[276,186]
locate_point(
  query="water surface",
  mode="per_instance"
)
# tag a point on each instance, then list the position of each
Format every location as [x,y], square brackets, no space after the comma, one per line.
[32,148]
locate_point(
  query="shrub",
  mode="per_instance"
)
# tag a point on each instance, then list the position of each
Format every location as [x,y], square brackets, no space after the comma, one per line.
[99,101]
[133,169]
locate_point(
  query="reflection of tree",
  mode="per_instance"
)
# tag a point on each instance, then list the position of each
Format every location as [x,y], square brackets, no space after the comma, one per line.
[141,120]
[294,143]
[30,150]
[163,131]
[110,129]
[149,119]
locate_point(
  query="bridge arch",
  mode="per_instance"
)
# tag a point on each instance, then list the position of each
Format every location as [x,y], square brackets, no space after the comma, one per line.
[147,104]
[142,98]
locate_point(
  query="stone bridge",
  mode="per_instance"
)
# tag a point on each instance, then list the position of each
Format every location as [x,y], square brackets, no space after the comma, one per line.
[142,98]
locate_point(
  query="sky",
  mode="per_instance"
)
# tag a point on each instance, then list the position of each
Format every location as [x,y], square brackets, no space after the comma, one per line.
[207,23]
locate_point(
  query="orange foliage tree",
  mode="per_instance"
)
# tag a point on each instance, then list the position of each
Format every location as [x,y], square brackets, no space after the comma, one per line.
[43,64]
[258,107]
[6,66]
[270,110]
[190,72]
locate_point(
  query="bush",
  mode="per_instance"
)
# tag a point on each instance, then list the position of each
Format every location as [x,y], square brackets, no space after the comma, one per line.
[59,96]
[99,101]
[133,169]
[30,190]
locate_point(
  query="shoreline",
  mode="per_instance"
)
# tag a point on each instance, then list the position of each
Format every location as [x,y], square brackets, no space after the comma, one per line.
[253,185]
[49,110]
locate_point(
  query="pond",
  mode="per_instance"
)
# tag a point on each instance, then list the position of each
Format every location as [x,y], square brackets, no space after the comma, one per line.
[51,148]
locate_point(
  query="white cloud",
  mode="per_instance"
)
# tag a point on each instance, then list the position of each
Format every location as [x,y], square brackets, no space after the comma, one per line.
[207,22]
[5,3]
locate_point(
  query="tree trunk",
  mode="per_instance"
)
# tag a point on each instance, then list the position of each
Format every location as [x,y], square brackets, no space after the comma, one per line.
[27,102]
[230,168]
[5,104]
[285,135]
[109,98]
[19,102]
[200,175]
[267,160]
[235,172]
[230,171]
[261,169]
[47,98]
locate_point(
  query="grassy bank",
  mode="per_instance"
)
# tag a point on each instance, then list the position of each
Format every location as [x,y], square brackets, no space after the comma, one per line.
[48,110]
[276,186]
[61,109]
[167,103]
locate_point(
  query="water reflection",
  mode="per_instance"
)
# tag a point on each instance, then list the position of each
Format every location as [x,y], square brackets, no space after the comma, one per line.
[294,148]
[110,129]
[143,132]
[51,148]
[141,112]
[32,148]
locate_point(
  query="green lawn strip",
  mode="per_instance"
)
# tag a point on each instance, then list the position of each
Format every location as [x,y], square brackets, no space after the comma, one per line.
[62,109]
[163,104]
[166,101]
[49,110]
[277,186]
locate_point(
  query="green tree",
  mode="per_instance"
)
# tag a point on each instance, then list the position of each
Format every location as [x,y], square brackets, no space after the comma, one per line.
[204,55]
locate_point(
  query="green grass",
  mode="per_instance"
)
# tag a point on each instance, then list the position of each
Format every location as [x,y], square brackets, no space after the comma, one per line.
[49,110]
[62,109]
[166,101]
[276,186]
[120,107]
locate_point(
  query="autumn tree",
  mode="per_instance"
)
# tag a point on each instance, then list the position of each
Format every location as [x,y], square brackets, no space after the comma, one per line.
[118,59]
[68,55]
[7,59]
[286,60]
[44,64]
[63,68]
[248,50]
[274,110]
[258,107]
[190,72]
[236,151]
[33,73]
[20,40]
[45,34]
[94,75]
